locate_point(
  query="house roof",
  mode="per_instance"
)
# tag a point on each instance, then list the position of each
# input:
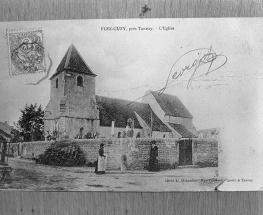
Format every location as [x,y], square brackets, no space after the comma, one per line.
[182,130]
[119,111]
[171,105]
[5,127]
[5,131]
[73,61]
[4,134]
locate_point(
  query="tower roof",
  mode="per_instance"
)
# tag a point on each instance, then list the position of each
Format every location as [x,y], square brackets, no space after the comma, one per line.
[73,61]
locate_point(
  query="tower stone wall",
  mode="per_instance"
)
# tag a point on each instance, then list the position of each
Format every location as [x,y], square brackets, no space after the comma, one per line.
[72,98]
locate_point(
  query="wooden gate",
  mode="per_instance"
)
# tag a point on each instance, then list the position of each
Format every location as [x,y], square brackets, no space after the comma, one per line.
[185,152]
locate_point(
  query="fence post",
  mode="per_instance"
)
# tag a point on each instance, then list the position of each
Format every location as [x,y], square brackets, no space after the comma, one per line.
[19,149]
[3,155]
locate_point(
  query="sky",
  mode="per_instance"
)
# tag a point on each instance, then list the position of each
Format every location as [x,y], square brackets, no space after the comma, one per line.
[128,63]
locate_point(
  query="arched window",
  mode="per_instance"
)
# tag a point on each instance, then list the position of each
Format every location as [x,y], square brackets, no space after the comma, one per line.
[79,81]
[57,83]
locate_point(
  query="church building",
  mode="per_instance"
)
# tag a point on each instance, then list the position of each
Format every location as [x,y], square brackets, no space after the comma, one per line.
[74,106]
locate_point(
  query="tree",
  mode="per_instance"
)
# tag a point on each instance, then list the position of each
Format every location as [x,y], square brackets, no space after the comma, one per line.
[16,137]
[30,125]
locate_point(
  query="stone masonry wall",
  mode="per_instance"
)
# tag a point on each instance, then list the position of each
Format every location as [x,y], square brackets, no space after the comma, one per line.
[34,149]
[133,154]
[136,151]
[205,152]
[91,147]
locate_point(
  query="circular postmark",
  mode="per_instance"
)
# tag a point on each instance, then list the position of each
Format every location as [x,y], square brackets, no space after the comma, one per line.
[27,52]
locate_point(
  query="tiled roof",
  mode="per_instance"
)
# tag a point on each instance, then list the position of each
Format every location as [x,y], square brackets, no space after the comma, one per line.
[5,127]
[4,135]
[182,130]
[74,62]
[118,110]
[171,105]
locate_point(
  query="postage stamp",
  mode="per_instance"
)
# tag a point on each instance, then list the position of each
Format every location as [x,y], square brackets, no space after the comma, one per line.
[26,51]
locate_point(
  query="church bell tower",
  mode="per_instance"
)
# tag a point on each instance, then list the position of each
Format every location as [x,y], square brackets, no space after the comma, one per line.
[72,97]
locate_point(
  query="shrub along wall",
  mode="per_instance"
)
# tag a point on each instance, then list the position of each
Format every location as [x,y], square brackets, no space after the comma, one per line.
[133,154]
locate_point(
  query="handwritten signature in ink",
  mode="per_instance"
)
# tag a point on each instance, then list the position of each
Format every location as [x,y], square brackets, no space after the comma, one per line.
[198,58]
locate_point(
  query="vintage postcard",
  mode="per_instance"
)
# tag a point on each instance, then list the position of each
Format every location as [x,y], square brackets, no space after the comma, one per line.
[132,105]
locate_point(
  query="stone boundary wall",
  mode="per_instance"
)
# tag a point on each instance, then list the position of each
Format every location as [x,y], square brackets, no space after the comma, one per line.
[129,153]
[34,149]
[133,154]
[205,152]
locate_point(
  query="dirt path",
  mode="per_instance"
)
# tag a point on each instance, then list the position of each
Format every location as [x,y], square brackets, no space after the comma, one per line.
[27,175]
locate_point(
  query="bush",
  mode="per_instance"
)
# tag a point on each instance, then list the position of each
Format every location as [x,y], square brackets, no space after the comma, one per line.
[62,153]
